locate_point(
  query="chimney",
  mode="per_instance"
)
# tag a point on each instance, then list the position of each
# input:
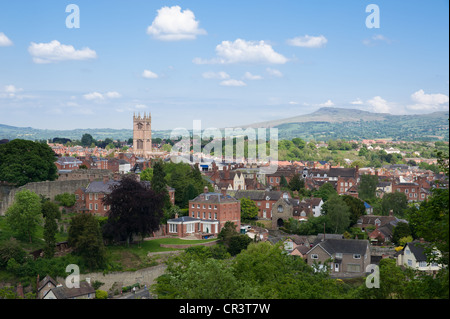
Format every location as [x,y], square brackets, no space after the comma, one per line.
[224,191]
[391,213]
[205,189]
[20,290]
[88,280]
[105,179]
[421,240]
[176,215]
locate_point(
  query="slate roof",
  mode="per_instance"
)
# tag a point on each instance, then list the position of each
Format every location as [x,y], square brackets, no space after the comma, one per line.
[258,194]
[344,246]
[101,187]
[418,249]
[214,198]
[183,219]
[62,292]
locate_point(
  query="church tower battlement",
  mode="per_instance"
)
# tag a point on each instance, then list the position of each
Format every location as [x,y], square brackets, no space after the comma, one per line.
[142,134]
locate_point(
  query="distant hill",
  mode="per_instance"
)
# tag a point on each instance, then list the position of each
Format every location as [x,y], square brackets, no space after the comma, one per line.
[322,125]
[352,124]
[326,114]
[29,133]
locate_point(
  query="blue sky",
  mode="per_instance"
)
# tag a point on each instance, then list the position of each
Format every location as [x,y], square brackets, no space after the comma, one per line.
[226,63]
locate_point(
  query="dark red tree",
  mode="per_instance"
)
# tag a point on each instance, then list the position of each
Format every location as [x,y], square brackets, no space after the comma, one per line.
[135,210]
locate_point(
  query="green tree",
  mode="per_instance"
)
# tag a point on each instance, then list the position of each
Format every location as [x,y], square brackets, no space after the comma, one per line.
[400,231]
[238,243]
[85,237]
[66,199]
[22,162]
[249,210]
[87,140]
[367,187]
[158,183]
[296,183]
[11,249]
[147,174]
[325,191]
[396,201]
[24,215]
[50,212]
[356,208]
[337,214]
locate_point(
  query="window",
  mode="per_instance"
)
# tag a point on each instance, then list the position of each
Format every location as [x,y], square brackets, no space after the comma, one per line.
[280,208]
[338,255]
[271,179]
[173,228]
[96,196]
[193,205]
[190,228]
[413,190]
[90,206]
[410,262]
[356,256]
[96,206]
[215,215]
[215,206]
[267,205]
[422,264]
[353,268]
[209,215]
[193,214]
[204,215]
[105,208]
[198,205]
[76,196]
[90,196]
[314,256]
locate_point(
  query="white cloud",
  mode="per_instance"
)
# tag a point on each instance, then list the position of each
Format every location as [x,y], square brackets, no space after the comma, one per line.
[250,76]
[375,40]
[112,95]
[327,103]
[241,51]
[10,91]
[274,72]
[54,51]
[172,24]
[379,105]
[149,74]
[4,40]
[233,82]
[216,75]
[99,96]
[308,41]
[432,99]
[358,101]
[428,102]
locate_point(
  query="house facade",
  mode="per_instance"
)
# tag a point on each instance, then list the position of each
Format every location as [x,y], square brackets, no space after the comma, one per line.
[341,257]
[413,256]
[263,199]
[208,213]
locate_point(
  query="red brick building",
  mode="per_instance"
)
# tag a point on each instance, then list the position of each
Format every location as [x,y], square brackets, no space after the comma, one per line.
[208,213]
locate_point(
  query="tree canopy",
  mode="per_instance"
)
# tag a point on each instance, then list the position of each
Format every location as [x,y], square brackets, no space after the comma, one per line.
[136,209]
[23,161]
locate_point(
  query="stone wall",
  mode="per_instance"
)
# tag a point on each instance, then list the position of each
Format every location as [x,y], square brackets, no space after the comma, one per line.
[146,276]
[48,189]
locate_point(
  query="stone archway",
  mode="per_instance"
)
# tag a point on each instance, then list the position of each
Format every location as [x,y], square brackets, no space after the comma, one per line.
[280,222]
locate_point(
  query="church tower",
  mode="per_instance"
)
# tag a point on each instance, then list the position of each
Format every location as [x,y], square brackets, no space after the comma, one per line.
[142,135]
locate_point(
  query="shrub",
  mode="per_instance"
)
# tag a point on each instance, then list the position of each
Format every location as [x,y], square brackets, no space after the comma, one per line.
[101,294]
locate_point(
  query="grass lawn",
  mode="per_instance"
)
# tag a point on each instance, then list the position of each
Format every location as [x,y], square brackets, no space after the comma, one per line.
[136,255]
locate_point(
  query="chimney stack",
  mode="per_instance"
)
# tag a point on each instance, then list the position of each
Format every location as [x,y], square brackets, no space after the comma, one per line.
[224,191]
[105,179]
[205,189]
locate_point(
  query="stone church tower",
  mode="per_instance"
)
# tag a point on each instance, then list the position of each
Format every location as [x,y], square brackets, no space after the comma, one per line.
[142,135]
